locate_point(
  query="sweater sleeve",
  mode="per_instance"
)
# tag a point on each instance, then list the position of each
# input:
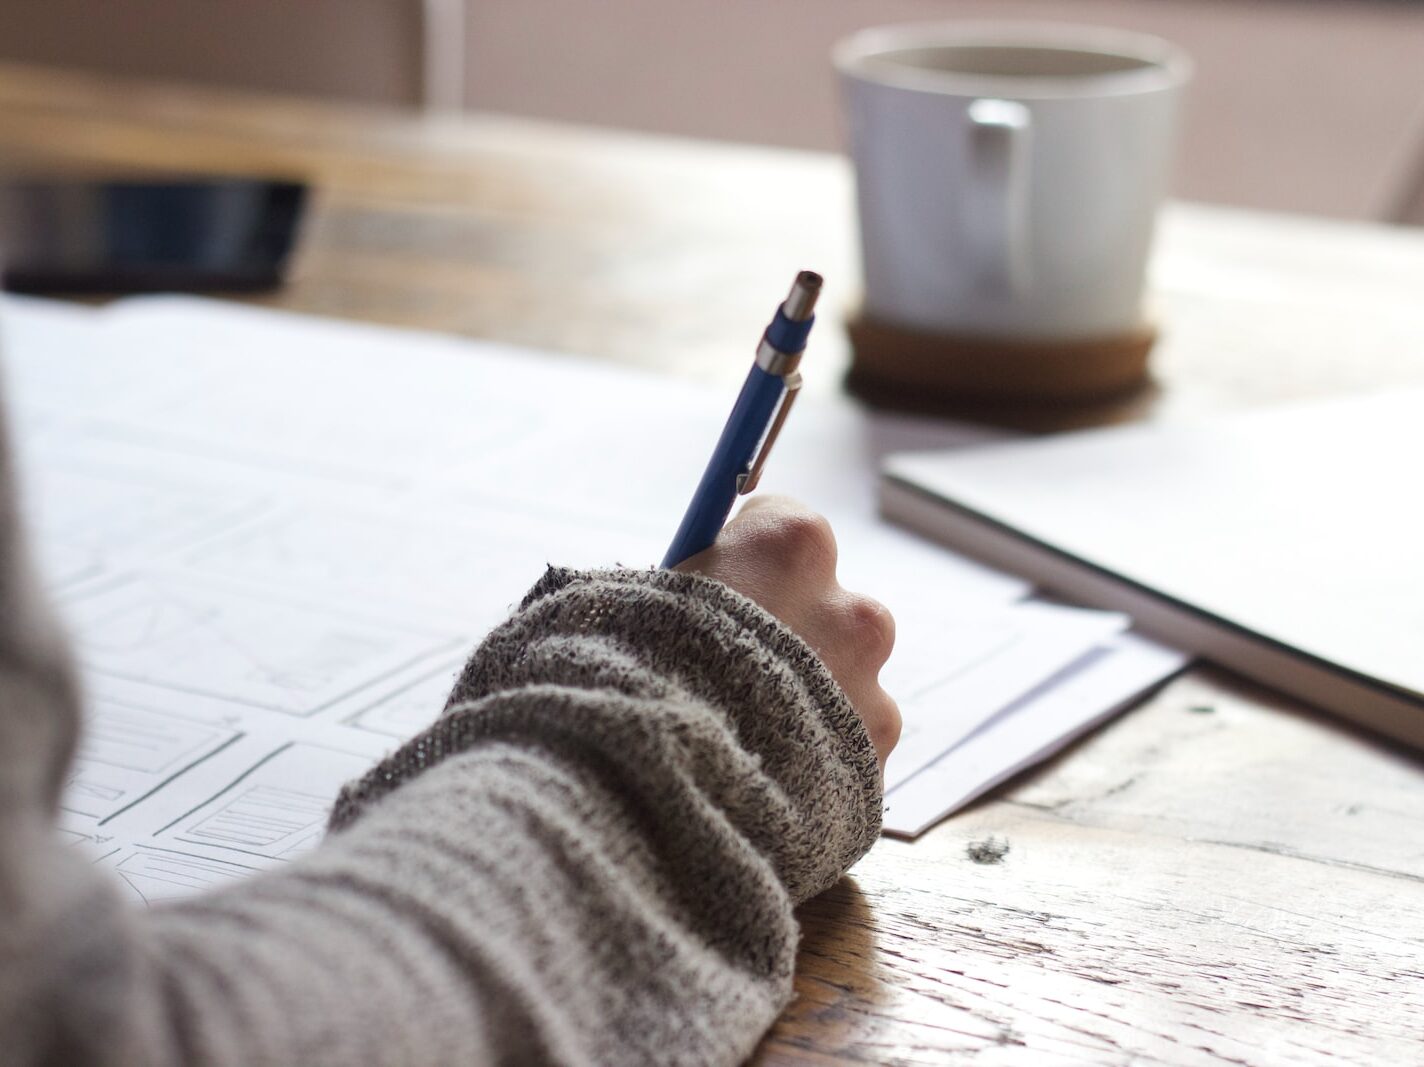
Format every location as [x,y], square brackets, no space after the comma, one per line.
[591,857]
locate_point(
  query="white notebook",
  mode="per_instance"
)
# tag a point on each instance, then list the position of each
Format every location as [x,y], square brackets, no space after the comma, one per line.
[1287,544]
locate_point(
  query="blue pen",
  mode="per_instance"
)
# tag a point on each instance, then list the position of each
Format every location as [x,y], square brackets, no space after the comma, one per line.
[756,418]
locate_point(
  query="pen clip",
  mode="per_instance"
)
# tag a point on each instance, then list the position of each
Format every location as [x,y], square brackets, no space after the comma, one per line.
[748,481]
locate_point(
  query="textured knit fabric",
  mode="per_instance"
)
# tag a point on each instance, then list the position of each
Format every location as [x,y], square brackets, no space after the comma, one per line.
[591,857]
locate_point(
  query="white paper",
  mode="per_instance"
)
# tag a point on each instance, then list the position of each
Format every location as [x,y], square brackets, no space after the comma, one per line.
[1038,725]
[967,670]
[276,539]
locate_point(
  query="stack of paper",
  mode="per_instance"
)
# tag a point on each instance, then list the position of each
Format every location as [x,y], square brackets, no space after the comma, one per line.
[276,538]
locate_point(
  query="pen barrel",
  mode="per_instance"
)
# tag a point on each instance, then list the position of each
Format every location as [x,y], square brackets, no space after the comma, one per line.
[736,447]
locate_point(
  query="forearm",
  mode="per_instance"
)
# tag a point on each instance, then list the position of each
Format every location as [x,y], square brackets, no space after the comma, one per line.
[592,857]
[676,770]
[499,909]
[734,714]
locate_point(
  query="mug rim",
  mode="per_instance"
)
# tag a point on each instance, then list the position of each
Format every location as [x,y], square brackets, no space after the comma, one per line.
[1163,65]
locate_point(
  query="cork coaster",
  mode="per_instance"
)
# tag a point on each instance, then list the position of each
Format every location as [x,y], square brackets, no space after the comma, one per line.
[897,367]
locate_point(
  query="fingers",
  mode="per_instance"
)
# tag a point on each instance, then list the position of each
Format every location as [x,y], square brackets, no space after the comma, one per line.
[881,716]
[869,629]
[783,555]
[859,641]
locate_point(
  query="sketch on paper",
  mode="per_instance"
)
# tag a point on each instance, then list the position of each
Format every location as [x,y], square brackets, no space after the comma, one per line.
[274,811]
[126,753]
[152,875]
[179,633]
[411,708]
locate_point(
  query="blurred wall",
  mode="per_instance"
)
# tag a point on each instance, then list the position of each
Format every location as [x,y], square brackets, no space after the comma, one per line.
[1299,105]
[367,50]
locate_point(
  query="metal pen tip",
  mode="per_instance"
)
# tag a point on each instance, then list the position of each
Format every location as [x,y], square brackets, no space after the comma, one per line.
[801,301]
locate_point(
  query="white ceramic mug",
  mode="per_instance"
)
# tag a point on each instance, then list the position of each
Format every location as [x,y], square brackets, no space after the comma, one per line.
[1008,175]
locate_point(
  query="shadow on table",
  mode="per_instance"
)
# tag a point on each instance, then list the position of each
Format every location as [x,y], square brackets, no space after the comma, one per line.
[839,977]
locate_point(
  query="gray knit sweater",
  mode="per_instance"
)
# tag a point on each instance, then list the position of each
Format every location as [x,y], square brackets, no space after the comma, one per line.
[591,857]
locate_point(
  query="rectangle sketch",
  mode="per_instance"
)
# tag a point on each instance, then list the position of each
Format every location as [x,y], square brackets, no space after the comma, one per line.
[469,573]
[151,875]
[409,709]
[125,753]
[472,566]
[182,634]
[276,811]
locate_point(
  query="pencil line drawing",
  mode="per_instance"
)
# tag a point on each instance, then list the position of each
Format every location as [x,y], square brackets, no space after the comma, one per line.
[153,875]
[127,754]
[181,634]
[160,785]
[262,818]
[230,786]
[274,810]
[411,707]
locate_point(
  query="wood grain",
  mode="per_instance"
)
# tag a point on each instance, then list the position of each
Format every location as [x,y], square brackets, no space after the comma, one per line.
[1239,885]
[1220,876]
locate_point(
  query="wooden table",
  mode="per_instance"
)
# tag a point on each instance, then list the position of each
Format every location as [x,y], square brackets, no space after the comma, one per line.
[1220,876]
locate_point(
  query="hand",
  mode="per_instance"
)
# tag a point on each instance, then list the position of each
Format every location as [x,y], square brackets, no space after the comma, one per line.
[783,555]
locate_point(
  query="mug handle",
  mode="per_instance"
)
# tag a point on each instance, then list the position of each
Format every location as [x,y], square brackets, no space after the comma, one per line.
[998,192]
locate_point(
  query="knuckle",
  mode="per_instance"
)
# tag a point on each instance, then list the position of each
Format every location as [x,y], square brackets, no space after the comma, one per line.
[885,724]
[894,724]
[805,538]
[872,626]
